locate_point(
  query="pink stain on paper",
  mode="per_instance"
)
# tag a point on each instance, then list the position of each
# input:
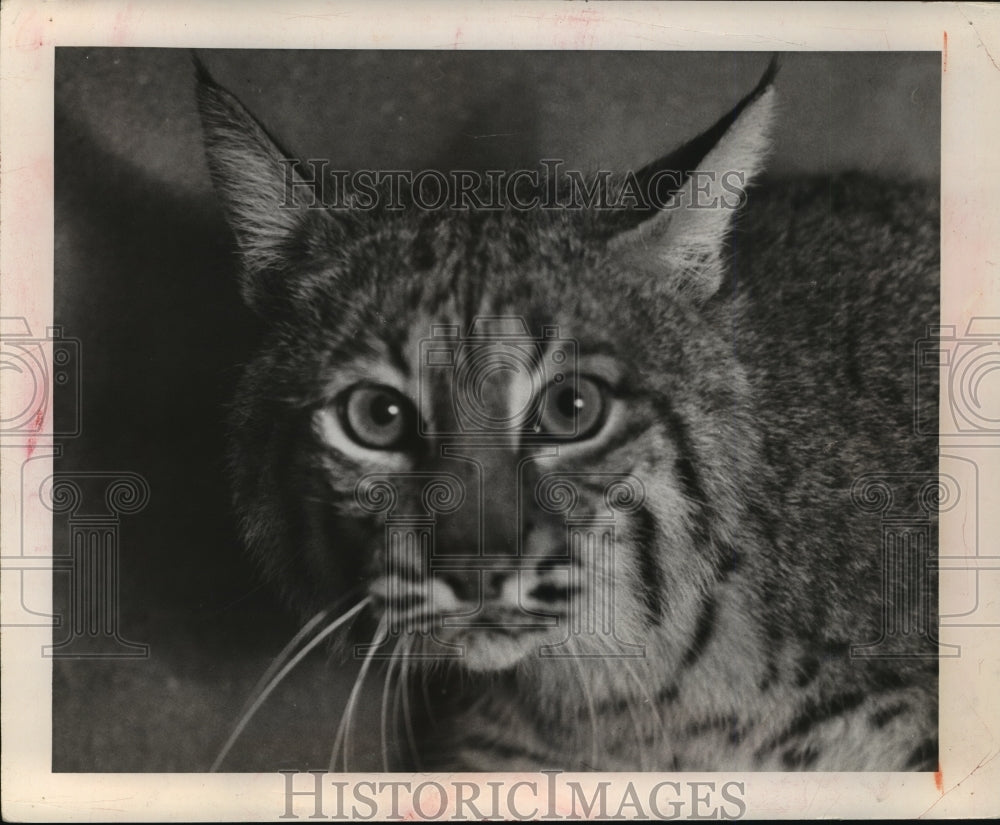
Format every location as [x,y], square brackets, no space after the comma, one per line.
[36,425]
[578,27]
[121,27]
[31,31]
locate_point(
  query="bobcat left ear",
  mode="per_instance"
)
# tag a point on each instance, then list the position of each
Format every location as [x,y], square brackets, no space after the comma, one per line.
[692,194]
[252,173]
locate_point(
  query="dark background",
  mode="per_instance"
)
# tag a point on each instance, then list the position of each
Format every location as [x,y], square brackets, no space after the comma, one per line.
[145,278]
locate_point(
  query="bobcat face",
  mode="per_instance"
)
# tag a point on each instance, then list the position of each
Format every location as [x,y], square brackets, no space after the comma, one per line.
[542,373]
[535,411]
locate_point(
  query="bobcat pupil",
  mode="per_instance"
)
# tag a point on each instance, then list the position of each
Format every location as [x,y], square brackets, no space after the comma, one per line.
[568,402]
[384,411]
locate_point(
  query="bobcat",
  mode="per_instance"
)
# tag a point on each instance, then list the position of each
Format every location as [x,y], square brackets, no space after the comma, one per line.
[593,483]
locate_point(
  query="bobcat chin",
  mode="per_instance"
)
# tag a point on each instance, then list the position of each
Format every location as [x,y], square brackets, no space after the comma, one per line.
[586,480]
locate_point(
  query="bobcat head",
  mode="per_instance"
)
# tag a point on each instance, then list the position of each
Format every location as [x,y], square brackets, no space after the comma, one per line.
[598,459]
[522,378]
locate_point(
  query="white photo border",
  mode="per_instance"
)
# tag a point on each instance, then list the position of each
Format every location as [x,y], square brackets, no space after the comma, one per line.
[968,38]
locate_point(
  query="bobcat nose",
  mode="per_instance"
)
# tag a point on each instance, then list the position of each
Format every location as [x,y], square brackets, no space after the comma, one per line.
[474,585]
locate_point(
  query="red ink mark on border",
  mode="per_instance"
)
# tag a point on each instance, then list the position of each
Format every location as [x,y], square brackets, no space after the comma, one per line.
[938,776]
[36,425]
[944,54]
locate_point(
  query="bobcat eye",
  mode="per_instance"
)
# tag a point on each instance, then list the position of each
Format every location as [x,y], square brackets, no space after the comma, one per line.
[574,413]
[377,417]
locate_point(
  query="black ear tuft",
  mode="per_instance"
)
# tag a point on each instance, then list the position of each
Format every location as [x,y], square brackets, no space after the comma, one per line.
[685,159]
[770,73]
[201,73]
[678,234]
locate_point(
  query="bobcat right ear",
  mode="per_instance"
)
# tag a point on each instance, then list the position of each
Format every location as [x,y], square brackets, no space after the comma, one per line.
[251,174]
[679,235]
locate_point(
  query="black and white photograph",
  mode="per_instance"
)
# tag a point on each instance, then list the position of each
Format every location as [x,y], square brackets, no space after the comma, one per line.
[611,421]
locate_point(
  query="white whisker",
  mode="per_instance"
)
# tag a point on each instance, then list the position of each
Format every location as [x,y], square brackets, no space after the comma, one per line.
[404,678]
[396,699]
[425,673]
[651,705]
[343,737]
[273,677]
[384,716]
[286,651]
